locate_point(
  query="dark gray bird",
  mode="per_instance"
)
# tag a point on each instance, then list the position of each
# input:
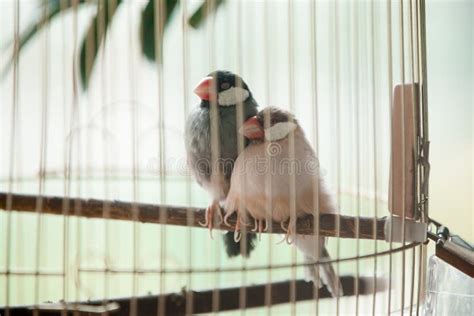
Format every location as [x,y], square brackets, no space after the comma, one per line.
[211,139]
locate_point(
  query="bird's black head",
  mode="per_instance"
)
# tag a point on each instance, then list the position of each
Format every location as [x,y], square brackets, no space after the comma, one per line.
[223,87]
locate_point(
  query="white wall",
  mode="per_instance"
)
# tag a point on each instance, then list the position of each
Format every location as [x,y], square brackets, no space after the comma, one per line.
[450,86]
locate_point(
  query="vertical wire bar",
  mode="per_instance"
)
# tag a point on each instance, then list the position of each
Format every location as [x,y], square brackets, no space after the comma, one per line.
[412,284]
[18,230]
[215,137]
[66,166]
[92,52]
[102,86]
[374,157]
[315,127]
[425,135]
[424,103]
[135,229]
[74,119]
[240,148]
[42,153]
[421,270]
[356,30]
[390,84]
[189,211]
[420,168]
[159,16]
[67,162]
[268,178]
[419,138]
[402,69]
[415,136]
[84,166]
[291,152]
[13,145]
[85,146]
[337,136]
[105,144]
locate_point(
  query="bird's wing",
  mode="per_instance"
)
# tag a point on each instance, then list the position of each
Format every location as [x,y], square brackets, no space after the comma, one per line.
[212,175]
[247,184]
[261,180]
[197,142]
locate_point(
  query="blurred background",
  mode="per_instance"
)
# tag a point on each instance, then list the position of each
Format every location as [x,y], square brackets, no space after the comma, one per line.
[118,134]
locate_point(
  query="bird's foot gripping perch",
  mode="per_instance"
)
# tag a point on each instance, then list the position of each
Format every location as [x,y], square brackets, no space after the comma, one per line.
[211,210]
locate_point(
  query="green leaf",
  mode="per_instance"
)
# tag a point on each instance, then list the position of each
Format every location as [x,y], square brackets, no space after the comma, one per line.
[95,35]
[200,15]
[148,28]
[48,10]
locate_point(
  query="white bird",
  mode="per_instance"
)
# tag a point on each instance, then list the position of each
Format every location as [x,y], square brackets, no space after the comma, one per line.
[277,178]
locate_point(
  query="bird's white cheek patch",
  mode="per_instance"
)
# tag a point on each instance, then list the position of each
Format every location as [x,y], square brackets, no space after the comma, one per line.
[233,96]
[279,131]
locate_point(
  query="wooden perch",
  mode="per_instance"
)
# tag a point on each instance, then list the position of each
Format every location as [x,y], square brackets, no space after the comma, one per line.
[176,215]
[229,299]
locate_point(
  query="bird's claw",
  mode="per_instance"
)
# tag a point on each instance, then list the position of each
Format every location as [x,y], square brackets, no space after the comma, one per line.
[290,232]
[226,218]
[268,220]
[237,236]
[209,216]
[282,225]
[255,223]
[206,221]
[237,233]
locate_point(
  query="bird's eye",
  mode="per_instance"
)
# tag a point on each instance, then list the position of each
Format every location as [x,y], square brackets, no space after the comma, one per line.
[225,86]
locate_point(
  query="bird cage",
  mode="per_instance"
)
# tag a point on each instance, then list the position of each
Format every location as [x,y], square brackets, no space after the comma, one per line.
[100,212]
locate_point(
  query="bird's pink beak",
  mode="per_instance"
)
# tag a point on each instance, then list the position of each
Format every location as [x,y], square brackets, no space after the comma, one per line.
[206,89]
[252,129]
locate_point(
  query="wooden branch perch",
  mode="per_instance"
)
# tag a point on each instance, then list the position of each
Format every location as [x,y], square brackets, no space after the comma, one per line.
[229,299]
[176,215]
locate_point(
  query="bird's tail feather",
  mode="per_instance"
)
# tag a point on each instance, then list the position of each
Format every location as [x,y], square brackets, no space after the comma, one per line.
[329,276]
[233,248]
[323,272]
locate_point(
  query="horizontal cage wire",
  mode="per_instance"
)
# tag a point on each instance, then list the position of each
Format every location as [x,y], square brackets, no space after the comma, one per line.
[185,157]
